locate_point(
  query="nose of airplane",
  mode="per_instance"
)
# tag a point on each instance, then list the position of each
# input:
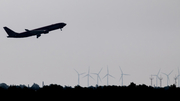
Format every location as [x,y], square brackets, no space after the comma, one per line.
[64,24]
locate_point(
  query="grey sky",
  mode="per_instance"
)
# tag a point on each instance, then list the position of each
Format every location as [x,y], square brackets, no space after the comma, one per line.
[141,36]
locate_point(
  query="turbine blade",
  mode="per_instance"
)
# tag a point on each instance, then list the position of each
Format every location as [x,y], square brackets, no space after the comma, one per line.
[104,76]
[88,69]
[165,74]
[76,71]
[120,78]
[82,73]
[175,77]
[91,77]
[107,70]
[158,72]
[111,76]
[85,75]
[126,74]
[121,70]
[100,70]
[170,72]
[99,77]
[94,73]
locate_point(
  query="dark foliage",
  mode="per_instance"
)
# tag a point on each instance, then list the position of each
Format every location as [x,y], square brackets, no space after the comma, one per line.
[55,92]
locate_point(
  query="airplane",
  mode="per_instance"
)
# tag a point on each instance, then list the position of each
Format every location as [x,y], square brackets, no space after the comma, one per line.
[35,32]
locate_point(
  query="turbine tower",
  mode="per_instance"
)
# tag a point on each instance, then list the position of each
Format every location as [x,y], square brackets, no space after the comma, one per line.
[168,76]
[98,77]
[157,77]
[178,78]
[42,83]
[160,79]
[151,78]
[107,75]
[78,76]
[88,75]
[122,74]
[175,79]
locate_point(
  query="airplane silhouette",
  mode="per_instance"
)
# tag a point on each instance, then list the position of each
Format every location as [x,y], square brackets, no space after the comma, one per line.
[37,32]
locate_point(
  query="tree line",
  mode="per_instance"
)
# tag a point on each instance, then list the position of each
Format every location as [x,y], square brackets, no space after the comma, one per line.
[54,91]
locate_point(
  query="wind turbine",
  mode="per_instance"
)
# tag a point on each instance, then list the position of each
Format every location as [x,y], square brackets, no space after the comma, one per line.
[107,75]
[78,76]
[168,76]
[98,77]
[122,74]
[88,75]
[157,77]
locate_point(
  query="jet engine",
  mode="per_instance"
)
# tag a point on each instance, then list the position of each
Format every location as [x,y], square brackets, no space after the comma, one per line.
[45,31]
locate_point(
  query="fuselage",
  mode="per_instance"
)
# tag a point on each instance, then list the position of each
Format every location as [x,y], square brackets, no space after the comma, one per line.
[37,32]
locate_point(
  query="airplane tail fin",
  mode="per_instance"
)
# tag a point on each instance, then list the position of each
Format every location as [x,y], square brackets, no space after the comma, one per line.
[9,31]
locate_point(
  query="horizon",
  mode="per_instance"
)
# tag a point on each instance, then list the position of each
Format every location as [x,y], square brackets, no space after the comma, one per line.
[41,86]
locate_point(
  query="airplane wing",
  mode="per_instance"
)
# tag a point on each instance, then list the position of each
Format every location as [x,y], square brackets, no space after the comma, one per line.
[37,31]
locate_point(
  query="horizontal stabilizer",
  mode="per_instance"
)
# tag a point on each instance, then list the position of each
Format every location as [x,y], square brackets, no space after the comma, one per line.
[27,30]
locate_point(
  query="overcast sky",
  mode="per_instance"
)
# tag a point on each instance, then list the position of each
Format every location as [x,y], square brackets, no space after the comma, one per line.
[141,36]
